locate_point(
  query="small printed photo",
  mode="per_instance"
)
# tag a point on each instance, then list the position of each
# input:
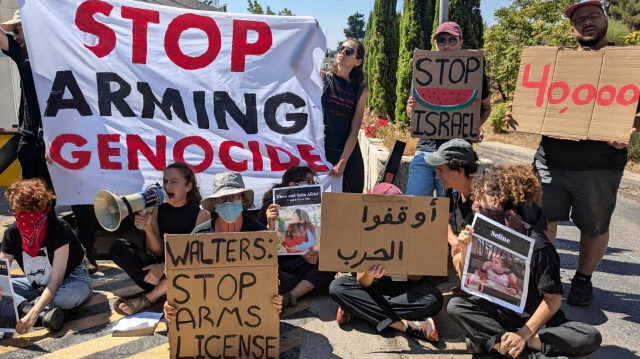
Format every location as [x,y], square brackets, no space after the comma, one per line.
[298,229]
[495,272]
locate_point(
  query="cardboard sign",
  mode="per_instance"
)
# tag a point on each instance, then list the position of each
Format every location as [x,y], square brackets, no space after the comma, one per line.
[223,286]
[406,234]
[447,88]
[497,265]
[578,95]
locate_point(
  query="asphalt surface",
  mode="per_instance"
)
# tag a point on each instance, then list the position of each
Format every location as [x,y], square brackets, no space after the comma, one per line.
[308,330]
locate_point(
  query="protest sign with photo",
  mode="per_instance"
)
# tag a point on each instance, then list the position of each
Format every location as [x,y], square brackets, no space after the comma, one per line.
[127,87]
[223,286]
[447,88]
[406,234]
[497,264]
[579,95]
[298,224]
[8,311]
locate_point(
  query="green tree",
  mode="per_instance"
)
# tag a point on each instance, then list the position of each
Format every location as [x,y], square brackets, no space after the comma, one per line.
[415,33]
[285,12]
[523,23]
[367,41]
[627,11]
[254,8]
[355,26]
[269,11]
[382,51]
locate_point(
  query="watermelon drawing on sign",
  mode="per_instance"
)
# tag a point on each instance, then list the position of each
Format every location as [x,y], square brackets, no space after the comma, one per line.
[441,99]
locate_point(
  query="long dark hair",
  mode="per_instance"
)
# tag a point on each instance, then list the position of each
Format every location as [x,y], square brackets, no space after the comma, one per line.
[293,174]
[193,196]
[356,76]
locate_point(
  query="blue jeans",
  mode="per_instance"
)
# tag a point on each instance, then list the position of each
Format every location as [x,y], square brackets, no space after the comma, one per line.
[75,290]
[422,178]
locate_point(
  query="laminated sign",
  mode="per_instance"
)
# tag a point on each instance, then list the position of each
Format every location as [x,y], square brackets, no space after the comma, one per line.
[223,286]
[578,95]
[405,234]
[447,88]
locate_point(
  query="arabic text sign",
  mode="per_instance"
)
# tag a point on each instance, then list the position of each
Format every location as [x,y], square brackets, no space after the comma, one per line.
[506,282]
[406,234]
[578,94]
[223,285]
[127,87]
[447,88]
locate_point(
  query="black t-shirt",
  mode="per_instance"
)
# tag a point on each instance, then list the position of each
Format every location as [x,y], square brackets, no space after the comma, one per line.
[462,215]
[262,215]
[248,225]
[585,155]
[430,145]
[177,220]
[38,269]
[339,101]
[29,118]
[544,270]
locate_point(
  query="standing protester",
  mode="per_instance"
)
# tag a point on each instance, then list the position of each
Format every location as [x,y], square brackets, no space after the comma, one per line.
[343,100]
[509,195]
[582,177]
[386,303]
[31,148]
[422,176]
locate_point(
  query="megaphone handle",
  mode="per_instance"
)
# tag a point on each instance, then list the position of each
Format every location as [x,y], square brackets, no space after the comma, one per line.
[129,209]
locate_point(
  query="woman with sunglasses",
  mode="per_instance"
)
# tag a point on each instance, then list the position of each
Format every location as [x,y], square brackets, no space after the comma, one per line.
[343,100]
[298,275]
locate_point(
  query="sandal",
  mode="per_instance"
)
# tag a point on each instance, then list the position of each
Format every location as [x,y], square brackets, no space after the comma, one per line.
[143,303]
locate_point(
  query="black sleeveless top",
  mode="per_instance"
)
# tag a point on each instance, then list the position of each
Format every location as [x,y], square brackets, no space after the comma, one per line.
[339,100]
[177,220]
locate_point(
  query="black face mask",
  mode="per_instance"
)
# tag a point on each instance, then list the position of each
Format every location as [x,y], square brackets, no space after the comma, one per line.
[493,214]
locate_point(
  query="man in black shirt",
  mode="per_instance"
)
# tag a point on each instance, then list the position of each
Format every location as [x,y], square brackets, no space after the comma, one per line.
[582,177]
[31,148]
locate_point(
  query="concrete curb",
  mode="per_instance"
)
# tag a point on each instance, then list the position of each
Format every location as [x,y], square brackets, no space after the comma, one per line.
[630,181]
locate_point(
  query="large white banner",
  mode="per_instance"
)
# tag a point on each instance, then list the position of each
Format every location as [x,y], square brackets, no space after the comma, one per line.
[126,88]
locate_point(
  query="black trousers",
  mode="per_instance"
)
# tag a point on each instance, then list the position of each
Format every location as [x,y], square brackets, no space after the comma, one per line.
[87,223]
[484,323]
[353,176]
[31,153]
[293,269]
[132,259]
[386,301]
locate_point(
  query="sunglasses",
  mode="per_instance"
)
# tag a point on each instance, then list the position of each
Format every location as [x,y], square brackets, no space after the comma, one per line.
[347,50]
[453,41]
[230,198]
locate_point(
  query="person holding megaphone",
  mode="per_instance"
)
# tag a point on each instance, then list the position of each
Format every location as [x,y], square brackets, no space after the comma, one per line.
[179,215]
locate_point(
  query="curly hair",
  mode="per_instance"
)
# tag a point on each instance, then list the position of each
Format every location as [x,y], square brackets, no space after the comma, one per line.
[30,195]
[468,167]
[513,185]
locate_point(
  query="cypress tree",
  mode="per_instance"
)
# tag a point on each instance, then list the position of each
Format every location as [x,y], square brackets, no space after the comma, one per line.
[415,33]
[367,49]
[382,56]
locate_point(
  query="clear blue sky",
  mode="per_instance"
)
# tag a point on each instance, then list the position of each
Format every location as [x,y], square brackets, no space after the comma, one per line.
[333,14]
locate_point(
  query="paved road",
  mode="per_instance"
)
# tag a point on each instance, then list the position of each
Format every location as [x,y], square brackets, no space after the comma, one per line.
[309,331]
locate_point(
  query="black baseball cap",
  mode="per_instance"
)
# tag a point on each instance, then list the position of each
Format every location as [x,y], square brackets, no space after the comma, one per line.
[452,149]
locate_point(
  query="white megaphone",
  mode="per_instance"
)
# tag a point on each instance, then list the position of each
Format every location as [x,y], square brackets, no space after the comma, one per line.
[111,209]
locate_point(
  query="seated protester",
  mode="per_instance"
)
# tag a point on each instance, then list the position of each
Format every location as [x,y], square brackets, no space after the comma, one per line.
[178,216]
[509,195]
[298,275]
[227,205]
[455,162]
[50,255]
[385,303]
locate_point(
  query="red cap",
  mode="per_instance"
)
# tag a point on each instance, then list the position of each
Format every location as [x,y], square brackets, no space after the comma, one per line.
[574,7]
[385,188]
[449,27]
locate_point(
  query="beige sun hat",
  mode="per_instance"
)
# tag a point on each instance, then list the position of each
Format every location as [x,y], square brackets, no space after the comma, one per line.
[227,184]
[8,25]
